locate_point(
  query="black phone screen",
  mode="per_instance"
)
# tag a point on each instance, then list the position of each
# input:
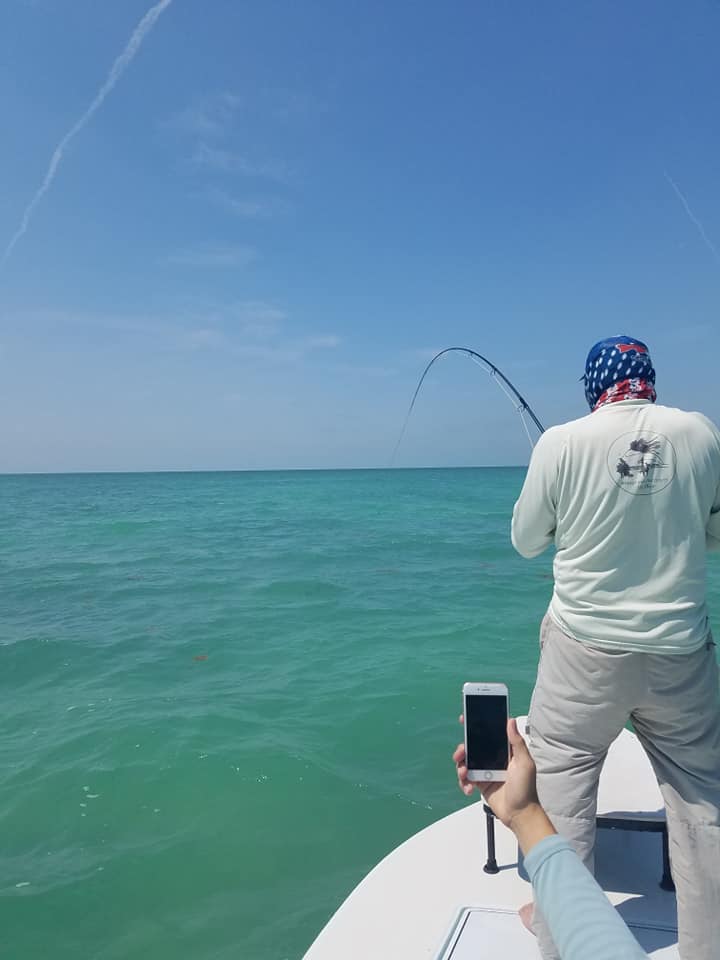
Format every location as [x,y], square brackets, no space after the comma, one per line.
[486,731]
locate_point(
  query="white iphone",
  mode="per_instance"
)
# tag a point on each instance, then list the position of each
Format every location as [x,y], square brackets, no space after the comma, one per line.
[487,751]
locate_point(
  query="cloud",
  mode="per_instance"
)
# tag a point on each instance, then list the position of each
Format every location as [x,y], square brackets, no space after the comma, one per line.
[245,329]
[213,115]
[250,208]
[229,162]
[213,161]
[421,354]
[210,116]
[323,342]
[693,219]
[287,105]
[118,68]
[254,329]
[203,337]
[256,318]
[238,255]
[363,370]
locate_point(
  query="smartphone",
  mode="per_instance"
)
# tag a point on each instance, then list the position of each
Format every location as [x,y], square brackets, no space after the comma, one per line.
[487,751]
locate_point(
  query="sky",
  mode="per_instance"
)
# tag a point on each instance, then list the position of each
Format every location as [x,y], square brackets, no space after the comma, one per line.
[238,246]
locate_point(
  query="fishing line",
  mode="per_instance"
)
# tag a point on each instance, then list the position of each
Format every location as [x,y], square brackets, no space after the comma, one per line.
[510,391]
[519,407]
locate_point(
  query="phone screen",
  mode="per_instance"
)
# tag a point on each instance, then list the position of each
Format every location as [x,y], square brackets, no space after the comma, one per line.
[486,726]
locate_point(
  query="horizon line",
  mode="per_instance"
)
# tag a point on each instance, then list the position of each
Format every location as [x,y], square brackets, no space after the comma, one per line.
[164,470]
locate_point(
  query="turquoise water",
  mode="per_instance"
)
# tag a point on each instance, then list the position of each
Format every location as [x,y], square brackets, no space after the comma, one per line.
[226,696]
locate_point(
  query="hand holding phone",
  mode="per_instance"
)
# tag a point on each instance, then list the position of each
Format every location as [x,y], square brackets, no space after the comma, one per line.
[487,751]
[514,801]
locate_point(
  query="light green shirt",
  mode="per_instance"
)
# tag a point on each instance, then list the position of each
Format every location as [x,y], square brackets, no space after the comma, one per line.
[630,496]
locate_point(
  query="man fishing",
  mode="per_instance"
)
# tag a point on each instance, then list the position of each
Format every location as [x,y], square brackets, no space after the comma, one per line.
[630,496]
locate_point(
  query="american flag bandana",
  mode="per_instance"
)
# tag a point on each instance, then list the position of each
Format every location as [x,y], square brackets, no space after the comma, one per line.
[618,368]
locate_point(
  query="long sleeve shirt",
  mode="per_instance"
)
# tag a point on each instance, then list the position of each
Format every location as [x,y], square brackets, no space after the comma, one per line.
[630,496]
[583,923]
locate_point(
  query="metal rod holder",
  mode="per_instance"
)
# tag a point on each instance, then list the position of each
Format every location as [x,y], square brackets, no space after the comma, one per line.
[667,882]
[491,865]
[613,823]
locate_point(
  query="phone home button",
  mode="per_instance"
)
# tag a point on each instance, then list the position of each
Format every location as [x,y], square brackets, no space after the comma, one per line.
[488,775]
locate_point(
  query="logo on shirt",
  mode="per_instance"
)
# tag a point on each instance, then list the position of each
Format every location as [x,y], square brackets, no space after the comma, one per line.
[642,463]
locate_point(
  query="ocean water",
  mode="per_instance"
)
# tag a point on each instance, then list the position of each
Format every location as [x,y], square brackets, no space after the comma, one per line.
[226,696]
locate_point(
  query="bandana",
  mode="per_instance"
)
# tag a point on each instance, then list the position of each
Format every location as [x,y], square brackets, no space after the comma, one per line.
[619,368]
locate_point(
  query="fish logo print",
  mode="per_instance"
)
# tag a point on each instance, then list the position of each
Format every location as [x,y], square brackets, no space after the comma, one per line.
[642,464]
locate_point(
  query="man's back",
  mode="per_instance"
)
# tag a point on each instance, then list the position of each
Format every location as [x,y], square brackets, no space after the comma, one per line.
[626,494]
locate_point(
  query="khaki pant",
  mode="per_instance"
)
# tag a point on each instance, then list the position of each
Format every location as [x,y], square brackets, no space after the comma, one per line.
[583,698]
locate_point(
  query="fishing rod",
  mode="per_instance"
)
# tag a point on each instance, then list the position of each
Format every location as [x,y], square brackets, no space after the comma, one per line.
[510,391]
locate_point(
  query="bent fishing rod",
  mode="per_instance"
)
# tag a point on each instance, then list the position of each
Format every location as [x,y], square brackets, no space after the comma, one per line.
[510,391]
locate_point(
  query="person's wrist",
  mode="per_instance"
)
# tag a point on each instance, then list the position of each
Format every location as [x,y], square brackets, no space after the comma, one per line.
[520,818]
[530,825]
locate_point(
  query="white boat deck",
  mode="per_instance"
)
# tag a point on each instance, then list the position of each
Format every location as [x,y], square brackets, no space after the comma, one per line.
[430,898]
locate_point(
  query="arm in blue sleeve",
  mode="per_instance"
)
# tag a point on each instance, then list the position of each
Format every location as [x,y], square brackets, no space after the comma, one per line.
[583,923]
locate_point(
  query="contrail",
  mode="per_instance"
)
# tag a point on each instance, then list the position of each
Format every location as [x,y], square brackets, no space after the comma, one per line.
[118,68]
[701,229]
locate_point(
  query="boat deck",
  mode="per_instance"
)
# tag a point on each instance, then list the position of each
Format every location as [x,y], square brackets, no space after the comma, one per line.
[430,898]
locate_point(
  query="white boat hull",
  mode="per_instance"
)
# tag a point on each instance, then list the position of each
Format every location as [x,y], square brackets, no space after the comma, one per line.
[431,897]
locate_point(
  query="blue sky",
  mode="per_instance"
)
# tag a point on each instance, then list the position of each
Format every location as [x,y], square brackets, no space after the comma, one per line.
[282,209]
